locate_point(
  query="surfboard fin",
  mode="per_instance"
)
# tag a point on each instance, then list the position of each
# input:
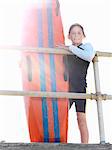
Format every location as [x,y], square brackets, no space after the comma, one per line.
[29,68]
[65,66]
[57,7]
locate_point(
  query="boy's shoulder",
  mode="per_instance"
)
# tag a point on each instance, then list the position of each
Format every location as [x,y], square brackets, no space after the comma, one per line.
[87,44]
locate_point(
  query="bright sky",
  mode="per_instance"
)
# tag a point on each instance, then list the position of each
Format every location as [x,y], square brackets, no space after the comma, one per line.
[96,17]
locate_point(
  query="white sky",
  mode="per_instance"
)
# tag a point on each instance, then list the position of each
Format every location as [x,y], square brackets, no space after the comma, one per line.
[96,17]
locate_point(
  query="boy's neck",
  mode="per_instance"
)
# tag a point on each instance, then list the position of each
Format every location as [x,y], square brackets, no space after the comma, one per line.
[77,44]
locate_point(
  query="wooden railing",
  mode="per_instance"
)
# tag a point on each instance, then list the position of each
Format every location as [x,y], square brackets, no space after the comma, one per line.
[97,96]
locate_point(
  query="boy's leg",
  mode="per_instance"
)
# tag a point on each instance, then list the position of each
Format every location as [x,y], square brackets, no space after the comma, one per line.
[81,119]
[82,123]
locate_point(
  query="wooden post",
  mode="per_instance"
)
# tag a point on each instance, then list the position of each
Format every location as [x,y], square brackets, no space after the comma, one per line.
[99,102]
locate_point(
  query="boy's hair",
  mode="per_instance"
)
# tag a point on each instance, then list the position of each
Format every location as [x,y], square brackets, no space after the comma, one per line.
[74,25]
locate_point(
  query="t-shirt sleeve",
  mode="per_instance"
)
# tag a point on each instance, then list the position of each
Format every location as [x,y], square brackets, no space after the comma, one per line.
[85,51]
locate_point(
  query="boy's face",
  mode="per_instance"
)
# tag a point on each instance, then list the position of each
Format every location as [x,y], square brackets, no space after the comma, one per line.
[76,35]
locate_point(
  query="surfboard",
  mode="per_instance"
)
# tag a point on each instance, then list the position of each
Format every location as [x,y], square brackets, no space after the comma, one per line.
[47,117]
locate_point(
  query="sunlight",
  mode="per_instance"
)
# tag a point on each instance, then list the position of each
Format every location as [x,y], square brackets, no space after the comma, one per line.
[10,22]
[96,17]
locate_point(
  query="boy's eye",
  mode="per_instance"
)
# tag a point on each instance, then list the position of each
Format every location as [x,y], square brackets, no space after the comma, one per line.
[78,33]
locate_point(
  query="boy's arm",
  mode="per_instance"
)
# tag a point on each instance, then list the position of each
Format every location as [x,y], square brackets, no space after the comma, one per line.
[85,51]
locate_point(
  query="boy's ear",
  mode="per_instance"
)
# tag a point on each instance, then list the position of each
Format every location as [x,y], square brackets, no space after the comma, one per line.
[83,36]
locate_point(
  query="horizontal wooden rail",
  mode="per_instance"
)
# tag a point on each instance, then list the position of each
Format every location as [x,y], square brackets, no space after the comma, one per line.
[37,49]
[48,94]
[103,54]
[55,94]
[54,50]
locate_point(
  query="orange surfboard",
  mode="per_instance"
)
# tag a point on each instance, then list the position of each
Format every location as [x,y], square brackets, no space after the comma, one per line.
[47,117]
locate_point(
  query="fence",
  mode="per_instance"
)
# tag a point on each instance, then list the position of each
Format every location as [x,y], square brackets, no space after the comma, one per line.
[97,96]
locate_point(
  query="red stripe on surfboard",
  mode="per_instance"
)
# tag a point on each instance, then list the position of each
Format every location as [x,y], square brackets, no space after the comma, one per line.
[62,104]
[35,120]
[57,25]
[63,119]
[45,24]
[49,101]
[61,84]
[47,72]
[37,102]
[34,110]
